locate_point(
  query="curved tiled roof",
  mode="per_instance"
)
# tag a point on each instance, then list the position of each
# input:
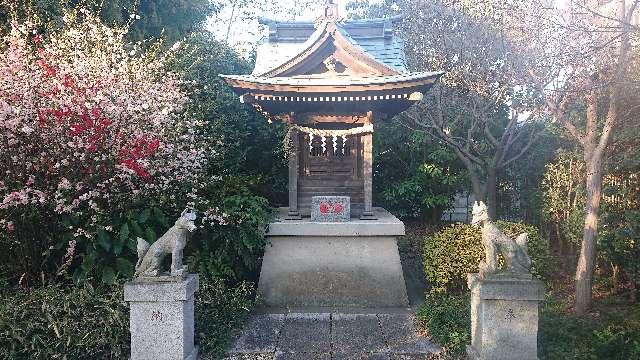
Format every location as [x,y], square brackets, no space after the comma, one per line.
[390,53]
[373,37]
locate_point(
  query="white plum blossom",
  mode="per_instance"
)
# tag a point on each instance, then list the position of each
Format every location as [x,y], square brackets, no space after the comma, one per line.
[214,216]
[86,122]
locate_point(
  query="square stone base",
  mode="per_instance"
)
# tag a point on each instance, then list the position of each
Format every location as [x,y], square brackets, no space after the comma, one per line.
[347,264]
[162,319]
[504,318]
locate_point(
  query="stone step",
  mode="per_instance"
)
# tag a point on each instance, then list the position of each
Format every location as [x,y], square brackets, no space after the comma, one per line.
[332,335]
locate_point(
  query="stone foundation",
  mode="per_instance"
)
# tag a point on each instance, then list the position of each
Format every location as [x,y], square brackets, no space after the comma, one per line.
[504,318]
[347,264]
[161,319]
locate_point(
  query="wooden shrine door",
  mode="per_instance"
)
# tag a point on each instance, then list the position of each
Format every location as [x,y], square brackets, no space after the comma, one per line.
[330,166]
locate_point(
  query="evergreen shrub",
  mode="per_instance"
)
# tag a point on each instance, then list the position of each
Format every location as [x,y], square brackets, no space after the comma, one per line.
[86,322]
[54,322]
[455,251]
[611,331]
[448,320]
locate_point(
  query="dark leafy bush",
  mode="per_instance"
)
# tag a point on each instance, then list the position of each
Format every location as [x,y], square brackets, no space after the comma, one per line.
[227,244]
[447,320]
[622,339]
[220,312]
[619,249]
[612,334]
[563,196]
[455,251]
[449,255]
[83,322]
[618,232]
[233,237]
[248,146]
[414,175]
[54,322]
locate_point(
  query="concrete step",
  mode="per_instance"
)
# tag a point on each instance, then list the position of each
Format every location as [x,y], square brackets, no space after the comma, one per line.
[370,335]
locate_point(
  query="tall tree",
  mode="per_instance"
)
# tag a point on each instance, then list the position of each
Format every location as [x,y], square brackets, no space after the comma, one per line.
[584,52]
[148,19]
[173,19]
[484,108]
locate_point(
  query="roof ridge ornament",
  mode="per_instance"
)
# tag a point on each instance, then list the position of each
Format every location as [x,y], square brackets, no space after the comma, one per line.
[331,12]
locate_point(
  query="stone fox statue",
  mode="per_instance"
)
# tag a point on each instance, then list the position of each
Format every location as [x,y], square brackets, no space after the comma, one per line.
[514,251]
[172,242]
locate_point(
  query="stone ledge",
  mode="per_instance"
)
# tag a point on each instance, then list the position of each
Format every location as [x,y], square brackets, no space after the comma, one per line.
[507,288]
[331,271]
[145,291]
[385,225]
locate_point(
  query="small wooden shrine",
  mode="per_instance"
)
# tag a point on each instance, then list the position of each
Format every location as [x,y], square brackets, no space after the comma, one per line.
[330,81]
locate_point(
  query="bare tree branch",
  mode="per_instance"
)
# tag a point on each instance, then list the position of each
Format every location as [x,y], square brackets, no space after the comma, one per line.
[625,21]
[532,139]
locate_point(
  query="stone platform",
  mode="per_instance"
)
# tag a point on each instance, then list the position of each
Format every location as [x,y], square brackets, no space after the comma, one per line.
[504,317]
[333,264]
[331,335]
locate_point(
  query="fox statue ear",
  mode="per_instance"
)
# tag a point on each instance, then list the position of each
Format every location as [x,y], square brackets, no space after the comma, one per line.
[183,212]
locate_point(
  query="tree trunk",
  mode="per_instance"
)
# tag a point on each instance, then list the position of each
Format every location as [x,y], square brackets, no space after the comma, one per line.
[478,192]
[615,279]
[584,270]
[491,193]
[477,186]
[233,12]
[486,191]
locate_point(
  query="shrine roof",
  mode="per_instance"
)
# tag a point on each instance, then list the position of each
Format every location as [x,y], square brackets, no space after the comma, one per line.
[373,37]
[388,50]
[331,66]
[389,94]
[337,80]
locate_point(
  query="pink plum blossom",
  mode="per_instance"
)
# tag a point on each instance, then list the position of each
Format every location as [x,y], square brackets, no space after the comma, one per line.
[87,123]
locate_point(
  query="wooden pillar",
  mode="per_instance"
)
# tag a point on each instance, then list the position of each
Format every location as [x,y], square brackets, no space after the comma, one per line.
[294,213]
[367,172]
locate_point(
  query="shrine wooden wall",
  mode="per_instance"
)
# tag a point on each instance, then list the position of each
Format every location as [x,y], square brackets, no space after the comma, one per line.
[330,166]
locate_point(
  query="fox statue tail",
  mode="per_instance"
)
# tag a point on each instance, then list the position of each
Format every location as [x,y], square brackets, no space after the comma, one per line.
[522,239]
[142,248]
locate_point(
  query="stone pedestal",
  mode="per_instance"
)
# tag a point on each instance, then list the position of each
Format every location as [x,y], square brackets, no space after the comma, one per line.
[161,319]
[504,317]
[340,264]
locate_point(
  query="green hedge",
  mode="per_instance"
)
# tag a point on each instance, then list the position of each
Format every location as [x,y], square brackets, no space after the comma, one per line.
[448,321]
[83,322]
[611,331]
[220,312]
[54,322]
[455,251]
